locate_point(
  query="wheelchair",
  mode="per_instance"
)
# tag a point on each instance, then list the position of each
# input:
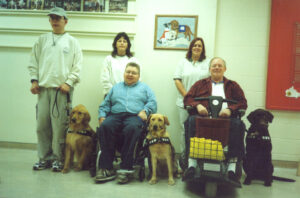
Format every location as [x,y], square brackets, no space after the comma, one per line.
[139,154]
[213,170]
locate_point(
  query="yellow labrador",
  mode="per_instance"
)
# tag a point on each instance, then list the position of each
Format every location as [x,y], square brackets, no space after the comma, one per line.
[161,150]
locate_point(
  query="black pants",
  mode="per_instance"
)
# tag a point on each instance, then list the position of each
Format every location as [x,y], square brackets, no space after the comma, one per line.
[119,131]
[236,147]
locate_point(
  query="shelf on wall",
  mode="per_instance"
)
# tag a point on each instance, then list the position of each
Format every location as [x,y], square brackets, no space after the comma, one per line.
[69,13]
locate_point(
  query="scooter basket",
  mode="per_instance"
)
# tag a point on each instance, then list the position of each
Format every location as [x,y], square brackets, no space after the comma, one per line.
[213,128]
[202,148]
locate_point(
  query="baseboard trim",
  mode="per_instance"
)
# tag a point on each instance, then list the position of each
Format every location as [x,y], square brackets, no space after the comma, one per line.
[33,146]
[18,145]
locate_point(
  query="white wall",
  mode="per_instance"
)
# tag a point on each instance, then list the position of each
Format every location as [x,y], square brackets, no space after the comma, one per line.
[235,30]
[242,38]
[158,66]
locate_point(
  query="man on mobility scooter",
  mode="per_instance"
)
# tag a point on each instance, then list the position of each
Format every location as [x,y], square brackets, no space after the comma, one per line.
[230,101]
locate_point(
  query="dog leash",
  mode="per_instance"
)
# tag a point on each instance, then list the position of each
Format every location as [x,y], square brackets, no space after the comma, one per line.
[56,105]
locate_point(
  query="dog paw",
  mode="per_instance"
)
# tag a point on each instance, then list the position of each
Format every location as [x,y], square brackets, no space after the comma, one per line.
[153,181]
[247,182]
[77,168]
[268,184]
[171,182]
[65,170]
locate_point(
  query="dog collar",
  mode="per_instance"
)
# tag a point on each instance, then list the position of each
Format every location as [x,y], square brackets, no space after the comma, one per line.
[266,138]
[163,140]
[82,132]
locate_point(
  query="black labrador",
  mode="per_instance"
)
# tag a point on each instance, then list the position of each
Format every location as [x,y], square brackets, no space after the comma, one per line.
[257,163]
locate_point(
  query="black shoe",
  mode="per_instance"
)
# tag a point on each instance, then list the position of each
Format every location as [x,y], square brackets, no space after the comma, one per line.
[189,173]
[232,176]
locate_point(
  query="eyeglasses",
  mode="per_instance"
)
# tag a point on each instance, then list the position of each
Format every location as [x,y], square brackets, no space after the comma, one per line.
[131,72]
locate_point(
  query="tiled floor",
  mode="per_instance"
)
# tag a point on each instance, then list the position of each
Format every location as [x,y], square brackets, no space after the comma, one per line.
[18,180]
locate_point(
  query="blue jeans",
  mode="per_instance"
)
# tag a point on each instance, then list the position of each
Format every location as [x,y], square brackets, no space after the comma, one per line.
[119,131]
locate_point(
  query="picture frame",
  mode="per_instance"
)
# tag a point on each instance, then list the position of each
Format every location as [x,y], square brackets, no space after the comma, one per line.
[118,6]
[35,4]
[94,5]
[174,32]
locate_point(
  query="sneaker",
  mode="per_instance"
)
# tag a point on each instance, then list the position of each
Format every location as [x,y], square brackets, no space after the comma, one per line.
[57,166]
[123,178]
[41,165]
[104,175]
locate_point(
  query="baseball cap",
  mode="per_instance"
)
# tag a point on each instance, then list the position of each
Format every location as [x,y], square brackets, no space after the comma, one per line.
[58,11]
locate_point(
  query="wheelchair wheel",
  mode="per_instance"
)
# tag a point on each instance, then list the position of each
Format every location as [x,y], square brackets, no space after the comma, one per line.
[183,162]
[211,189]
[239,169]
[142,174]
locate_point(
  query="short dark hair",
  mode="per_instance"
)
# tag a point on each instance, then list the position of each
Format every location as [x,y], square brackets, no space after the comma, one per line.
[189,53]
[118,36]
[133,64]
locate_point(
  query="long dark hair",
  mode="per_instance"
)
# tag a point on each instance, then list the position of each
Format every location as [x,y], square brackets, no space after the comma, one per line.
[114,45]
[189,53]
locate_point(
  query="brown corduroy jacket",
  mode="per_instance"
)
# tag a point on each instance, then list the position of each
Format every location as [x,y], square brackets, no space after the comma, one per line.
[203,88]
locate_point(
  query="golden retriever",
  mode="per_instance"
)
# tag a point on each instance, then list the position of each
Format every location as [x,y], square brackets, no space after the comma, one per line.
[175,26]
[79,140]
[162,153]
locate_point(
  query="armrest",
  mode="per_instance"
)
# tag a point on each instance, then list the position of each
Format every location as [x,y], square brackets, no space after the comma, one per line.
[241,113]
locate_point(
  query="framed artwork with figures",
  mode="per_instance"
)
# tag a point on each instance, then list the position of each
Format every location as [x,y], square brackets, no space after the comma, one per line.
[174,32]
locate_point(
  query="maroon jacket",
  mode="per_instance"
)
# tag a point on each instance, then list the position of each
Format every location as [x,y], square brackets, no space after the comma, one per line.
[203,88]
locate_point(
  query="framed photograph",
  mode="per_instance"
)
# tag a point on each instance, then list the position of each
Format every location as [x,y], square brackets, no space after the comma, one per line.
[94,5]
[35,4]
[72,5]
[49,4]
[118,6]
[174,32]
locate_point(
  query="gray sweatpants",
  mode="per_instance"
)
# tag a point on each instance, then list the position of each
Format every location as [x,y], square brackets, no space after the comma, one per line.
[52,123]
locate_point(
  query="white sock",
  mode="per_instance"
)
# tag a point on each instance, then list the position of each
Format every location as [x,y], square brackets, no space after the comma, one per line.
[231,166]
[192,163]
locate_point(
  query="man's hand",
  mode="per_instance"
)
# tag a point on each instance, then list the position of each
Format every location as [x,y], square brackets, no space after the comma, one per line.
[202,110]
[143,115]
[35,88]
[225,113]
[64,88]
[101,120]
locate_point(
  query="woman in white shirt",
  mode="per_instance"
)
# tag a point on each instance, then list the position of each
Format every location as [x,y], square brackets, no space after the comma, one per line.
[190,69]
[114,64]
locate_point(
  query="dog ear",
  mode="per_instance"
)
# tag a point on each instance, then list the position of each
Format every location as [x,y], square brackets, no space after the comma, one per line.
[148,120]
[269,116]
[87,117]
[251,117]
[166,120]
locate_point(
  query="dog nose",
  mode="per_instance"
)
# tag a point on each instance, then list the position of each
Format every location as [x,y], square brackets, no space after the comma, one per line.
[155,127]
[73,119]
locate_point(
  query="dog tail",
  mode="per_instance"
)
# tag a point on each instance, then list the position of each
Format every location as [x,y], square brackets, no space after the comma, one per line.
[283,179]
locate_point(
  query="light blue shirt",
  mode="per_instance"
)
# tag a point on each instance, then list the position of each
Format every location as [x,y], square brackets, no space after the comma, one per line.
[131,99]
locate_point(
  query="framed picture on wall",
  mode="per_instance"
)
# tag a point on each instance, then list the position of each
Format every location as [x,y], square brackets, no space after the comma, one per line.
[49,4]
[174,32]
[35,4]
[94,5]
[72,5]
[118,6]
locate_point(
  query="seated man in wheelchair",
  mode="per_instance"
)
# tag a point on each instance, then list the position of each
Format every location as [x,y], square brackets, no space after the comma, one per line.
[217,85]
[123,113]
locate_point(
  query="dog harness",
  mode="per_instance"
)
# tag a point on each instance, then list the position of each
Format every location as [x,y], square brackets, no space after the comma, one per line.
[163,140]
[265,138]
[82,132]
